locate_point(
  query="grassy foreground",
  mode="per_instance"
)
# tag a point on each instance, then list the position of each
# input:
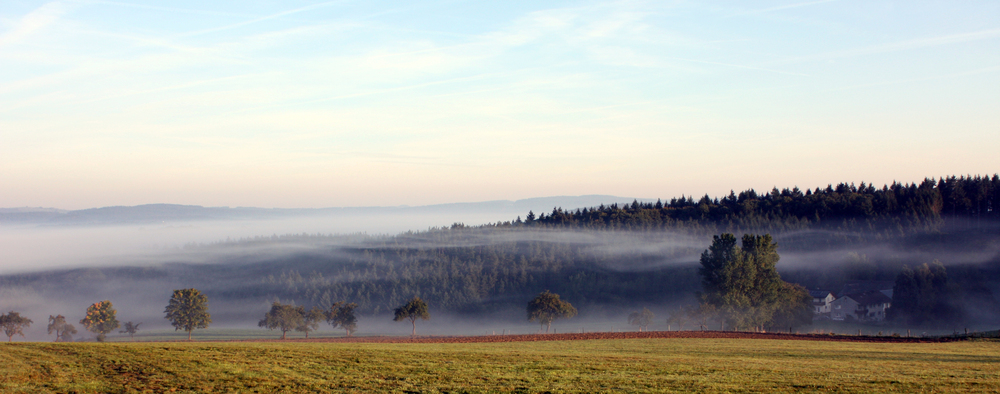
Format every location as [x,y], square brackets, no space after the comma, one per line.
[653,365]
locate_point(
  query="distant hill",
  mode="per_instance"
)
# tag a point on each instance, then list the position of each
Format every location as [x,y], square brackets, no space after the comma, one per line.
[168,213]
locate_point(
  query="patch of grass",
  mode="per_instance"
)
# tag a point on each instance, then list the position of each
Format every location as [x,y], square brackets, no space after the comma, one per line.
[653,365]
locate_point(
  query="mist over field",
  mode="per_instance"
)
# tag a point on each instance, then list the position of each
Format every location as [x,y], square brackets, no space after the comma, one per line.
[477,274]
[34,239]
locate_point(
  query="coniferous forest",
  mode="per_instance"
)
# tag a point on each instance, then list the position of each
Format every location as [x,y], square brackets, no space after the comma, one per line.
[604,259]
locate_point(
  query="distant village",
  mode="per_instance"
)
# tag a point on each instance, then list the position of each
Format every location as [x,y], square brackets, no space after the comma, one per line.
[857,301]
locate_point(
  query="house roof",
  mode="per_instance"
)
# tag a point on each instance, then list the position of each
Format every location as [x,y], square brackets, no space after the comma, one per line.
[819,293]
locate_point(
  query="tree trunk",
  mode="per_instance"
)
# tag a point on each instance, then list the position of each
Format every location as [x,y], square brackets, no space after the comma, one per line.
[547,326]
[348,332]
[414,323]
[283,334]
[189,335]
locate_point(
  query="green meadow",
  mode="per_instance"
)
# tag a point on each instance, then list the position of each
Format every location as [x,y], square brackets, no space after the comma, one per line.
[635,365]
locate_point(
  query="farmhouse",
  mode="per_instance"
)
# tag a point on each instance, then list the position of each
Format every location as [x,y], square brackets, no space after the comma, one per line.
[821,302]
[868,306]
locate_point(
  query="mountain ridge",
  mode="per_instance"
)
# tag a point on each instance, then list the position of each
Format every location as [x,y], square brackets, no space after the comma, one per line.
[167,212]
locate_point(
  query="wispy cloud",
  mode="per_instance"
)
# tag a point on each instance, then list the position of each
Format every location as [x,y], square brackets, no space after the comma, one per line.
[917,43]
[35,21]
[263,18]
[740,66]
[160,8]
[977,71]
[795,5]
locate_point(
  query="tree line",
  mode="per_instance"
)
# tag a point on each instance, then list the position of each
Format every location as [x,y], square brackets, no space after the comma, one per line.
[889,210]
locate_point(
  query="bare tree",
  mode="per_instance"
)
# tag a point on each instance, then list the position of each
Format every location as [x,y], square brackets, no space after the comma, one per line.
[641,319]
[130,329]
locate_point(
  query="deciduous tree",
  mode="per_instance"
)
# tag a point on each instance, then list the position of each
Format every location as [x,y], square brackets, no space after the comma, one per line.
[641,319]
[546,307]
[678,316]
[794,308]
[188,310]
[922,296]
[742,282]
[63,330]
[130,329]
[100,319]
[284,317]
[14,324]
[342,315]
[310,320]
[412,310]
[703,314]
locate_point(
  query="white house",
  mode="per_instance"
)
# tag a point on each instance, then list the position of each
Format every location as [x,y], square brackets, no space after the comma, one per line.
[868,306]
[821,302]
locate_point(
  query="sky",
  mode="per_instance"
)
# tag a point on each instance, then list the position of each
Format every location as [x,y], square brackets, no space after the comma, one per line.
[373,103]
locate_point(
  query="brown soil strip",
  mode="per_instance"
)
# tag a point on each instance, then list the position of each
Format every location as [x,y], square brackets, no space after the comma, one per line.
[618,335]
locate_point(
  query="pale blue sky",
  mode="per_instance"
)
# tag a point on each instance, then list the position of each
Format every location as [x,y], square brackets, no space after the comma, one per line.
[348,103]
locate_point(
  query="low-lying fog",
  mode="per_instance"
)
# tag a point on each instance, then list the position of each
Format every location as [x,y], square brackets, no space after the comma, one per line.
[170,248]
[109,236]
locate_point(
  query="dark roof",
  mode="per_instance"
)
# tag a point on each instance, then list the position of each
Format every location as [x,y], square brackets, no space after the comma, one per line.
[818,293]
[864,286]
[867,298]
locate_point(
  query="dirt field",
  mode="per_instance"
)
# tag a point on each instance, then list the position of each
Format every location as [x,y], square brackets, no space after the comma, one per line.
[619,335]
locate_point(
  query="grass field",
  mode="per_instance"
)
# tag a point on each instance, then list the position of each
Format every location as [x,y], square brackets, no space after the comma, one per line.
[636,365]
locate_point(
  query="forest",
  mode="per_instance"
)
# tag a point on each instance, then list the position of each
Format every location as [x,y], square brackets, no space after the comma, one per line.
[606,260]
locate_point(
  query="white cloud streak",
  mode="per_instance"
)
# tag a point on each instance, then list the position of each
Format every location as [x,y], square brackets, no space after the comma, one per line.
[795,5]
[34,22]
[905,45]
[263,18]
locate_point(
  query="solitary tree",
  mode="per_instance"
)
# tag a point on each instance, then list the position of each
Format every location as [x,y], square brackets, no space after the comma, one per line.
[413,310]
[310,320]
[284,317]
[14,324]
[100,319]
[641,319]
[63,330]
[342,315]
[547,307]
[130,329]
[188,310]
